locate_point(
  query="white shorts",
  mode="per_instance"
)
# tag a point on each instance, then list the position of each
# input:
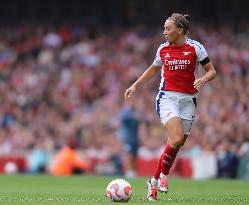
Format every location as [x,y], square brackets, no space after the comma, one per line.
[174,104]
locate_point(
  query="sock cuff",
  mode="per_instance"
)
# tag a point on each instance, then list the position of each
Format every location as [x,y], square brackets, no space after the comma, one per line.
[168,146]
[163,176]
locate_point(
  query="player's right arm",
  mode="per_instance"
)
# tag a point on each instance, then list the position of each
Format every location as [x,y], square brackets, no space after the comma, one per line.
[147,75]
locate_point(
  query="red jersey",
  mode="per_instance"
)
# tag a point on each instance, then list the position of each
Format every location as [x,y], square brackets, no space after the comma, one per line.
[178,65]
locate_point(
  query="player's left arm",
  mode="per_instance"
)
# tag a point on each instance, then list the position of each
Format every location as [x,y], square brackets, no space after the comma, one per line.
[210,75]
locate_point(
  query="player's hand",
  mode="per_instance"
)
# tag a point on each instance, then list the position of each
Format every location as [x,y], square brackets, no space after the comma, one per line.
[128,92]
[199,83]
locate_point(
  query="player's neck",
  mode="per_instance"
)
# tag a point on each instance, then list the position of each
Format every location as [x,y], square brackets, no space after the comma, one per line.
[180,41]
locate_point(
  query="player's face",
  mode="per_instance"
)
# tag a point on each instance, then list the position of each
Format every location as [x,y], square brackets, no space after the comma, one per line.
[171,32]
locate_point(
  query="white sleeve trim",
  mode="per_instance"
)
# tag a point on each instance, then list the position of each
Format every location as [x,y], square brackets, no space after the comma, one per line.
[157,61]
[199,49]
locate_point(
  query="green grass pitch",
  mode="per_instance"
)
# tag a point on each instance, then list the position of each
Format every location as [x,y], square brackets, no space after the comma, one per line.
[29,190]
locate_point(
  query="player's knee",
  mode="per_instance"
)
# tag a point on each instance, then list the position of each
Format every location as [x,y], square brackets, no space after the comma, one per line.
[177,141]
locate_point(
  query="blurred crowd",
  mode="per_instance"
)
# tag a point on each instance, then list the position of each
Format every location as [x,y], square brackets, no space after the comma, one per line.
[59,82]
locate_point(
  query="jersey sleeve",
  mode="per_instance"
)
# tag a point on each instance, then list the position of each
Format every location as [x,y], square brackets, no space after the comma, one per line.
[201,52]
[157,61]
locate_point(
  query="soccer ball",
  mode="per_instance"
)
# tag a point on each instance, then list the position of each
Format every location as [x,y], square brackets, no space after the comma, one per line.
[119,190]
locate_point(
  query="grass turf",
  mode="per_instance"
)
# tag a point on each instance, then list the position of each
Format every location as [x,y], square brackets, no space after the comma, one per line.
[30,190]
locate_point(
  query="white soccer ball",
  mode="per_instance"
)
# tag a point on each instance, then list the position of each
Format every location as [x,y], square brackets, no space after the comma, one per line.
[119,190]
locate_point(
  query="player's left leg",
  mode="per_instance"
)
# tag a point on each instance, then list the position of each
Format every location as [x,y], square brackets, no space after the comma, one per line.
[165,168]
[176,139]
[171,150]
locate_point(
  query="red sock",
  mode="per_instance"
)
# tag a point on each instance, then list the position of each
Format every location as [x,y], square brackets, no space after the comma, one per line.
[158,168]
[168,158]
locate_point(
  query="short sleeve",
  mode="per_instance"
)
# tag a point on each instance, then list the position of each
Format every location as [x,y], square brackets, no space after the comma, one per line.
[157,61]
[201,52]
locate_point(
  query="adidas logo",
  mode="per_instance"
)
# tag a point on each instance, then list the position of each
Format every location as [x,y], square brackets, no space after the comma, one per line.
[167,55]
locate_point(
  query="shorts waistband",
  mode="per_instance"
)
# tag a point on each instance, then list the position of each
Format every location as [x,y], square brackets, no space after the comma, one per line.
[178,94]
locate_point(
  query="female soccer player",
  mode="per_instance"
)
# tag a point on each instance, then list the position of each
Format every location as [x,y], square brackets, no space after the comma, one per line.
[177,59]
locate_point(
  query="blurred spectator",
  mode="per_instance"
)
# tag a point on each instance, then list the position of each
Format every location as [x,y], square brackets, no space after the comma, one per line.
[129,135]
[37,159]
[67,161]
[103,151]
[243,170]
[227,160]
